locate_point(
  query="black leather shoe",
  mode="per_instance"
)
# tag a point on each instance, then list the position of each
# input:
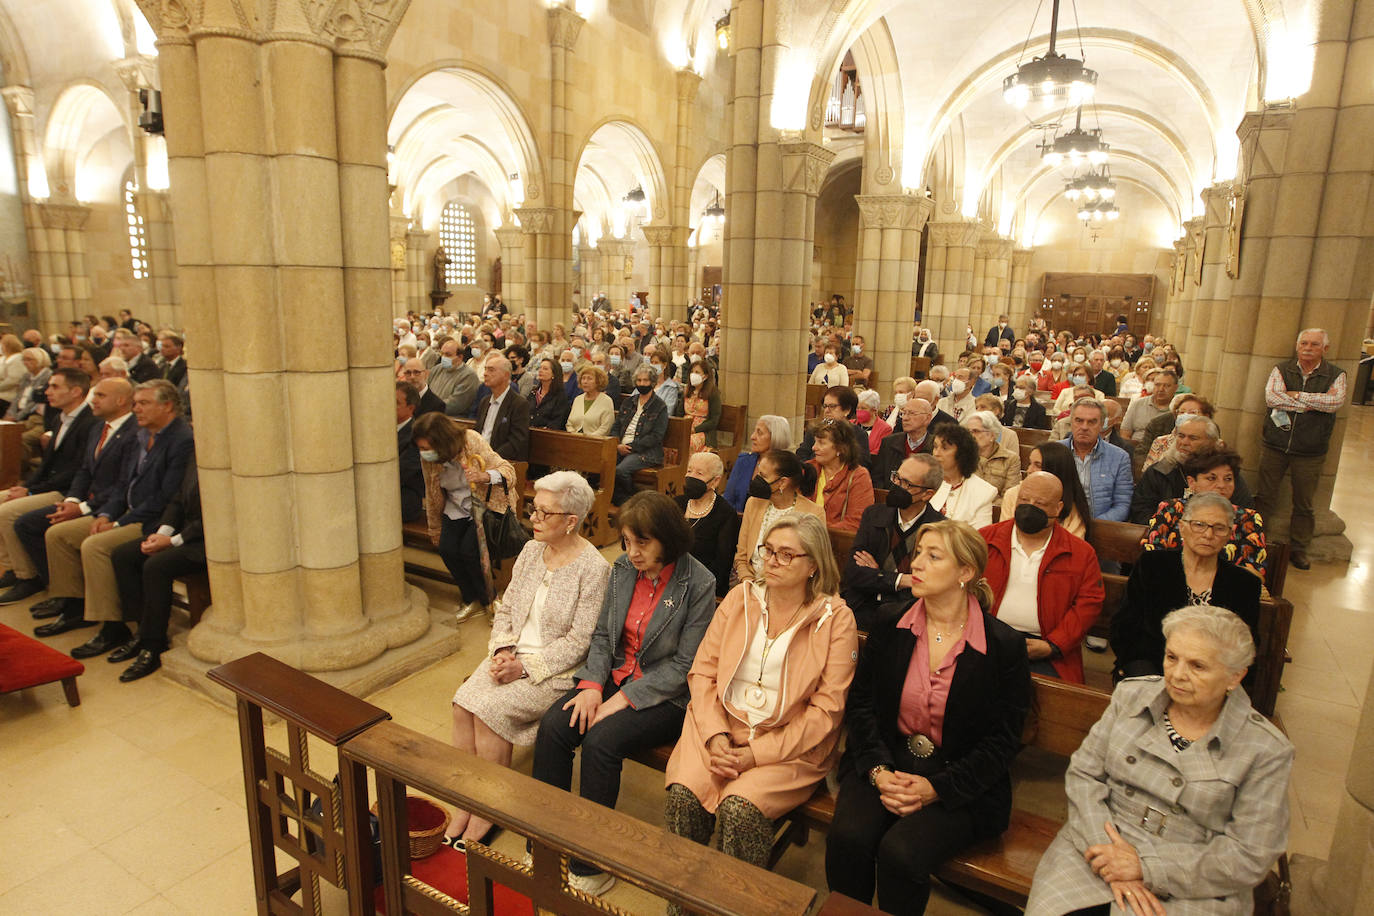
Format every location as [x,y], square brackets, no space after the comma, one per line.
[24,588]
[125,652]
[1297,559]
[102,642]
[147,662]
[48,607]
[9,579]
[62,625]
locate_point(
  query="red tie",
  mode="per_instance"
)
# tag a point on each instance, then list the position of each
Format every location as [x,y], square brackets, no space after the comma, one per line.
[101,444]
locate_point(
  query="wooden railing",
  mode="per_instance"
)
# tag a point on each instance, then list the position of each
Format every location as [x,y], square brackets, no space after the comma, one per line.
[335,843]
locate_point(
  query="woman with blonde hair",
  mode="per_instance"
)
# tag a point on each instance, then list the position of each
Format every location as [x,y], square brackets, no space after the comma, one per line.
[11,370]
[1133,384]
[463,477]
[768,690]
[934,719]
[592,414]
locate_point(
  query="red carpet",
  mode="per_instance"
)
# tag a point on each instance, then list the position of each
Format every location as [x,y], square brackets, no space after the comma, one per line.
[447,871]
[26,662]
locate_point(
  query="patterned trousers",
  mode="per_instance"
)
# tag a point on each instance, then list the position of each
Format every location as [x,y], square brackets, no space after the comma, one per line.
[745,832]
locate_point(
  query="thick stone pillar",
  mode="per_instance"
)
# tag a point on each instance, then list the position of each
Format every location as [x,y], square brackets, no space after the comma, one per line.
[693,272]
[19,104]
[978,306]
[1202,361]
[552,262]
[678,291]
[950,253]
[546,260]
[1307,245]
[1194,235]
[62,280]
[417,271]
[665,291]
[280,188]
[399,262]
[1172,315]
[615,277]
[512,242]
[1019,292]
[590,261]
[995,254]
[885,277]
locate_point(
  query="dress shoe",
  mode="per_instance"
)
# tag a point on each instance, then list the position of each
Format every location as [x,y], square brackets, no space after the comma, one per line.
[147,662]
[125,652]
[1299,560]
[108,638]
[50,607]
[24,588]
[8,579]
[62,625]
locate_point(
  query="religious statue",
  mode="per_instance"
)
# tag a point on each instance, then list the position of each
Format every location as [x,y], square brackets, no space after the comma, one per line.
[440,270]
[496,275]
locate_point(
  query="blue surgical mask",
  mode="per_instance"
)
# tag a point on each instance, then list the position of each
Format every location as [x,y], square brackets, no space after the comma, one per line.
[1080,380]
[567,367]
[445,362]
[429,454]
[615,360]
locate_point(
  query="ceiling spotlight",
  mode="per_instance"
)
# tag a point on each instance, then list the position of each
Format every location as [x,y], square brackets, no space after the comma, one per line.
[1053,80]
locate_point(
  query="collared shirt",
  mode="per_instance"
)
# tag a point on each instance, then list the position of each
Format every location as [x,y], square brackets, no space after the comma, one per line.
[493,408]
[913,447]
[458,494]
[114,426]
[643,601]
[1084,465]
[1329,401]
[66,420]
[1020,608]
[925,692]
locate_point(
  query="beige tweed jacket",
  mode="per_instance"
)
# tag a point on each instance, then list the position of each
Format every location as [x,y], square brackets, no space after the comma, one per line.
[1208,821]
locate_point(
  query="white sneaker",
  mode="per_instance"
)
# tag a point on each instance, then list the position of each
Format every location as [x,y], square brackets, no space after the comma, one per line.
[470,610]
[1095,643]
[595,885]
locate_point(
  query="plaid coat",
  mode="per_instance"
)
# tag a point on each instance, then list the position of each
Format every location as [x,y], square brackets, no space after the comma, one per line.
[1220,807]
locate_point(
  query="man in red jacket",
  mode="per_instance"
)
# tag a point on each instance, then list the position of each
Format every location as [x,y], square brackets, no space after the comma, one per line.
[1045,581]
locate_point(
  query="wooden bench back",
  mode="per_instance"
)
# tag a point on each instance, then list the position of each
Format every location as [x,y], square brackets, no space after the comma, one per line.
[1117,541]
[734,419]
[1064,713]
[815,396]
[920,367]
[11,453]
[677,447]
[586,455]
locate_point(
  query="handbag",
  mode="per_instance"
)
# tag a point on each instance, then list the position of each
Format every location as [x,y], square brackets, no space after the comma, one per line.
[505,535]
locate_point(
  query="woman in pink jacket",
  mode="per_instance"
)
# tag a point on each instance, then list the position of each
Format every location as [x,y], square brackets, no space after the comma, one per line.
[767,696]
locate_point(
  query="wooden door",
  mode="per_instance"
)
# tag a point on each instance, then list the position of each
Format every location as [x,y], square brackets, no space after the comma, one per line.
[1090,303]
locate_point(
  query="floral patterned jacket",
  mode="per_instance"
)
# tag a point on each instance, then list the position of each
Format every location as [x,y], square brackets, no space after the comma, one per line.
[1246,548]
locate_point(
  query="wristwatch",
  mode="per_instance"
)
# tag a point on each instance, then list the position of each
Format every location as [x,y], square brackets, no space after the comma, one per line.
[873,774]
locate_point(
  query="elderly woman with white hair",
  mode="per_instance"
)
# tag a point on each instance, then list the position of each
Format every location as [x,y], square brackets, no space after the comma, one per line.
[1178,797]
[539,635]
[869,416]
[715,524]
[997,464]
[769,432]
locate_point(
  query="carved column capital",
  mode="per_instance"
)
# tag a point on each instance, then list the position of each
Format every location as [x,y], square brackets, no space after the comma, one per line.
[564,27]
[536,219]
[615,247]
[688,82]
[64,216]
[804,165]
[510,236]
[138,72]
[893,211]
[658,236]
[994,249]
[955,234]
[19,100]
[1021,257]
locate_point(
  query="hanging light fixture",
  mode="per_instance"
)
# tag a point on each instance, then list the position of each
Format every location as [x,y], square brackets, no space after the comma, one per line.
[1092,186]
[723,32]
[1053,80]
[1098,211]
[1076,146]
[637,200]
[715,211]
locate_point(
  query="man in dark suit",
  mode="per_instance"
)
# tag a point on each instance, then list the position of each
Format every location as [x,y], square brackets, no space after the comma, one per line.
[412,479]
[879,569]
[141,366]
[503,417]
[173,545]
[1101,377]
[999,332]
[175,369]
[79,568]
[62,456]
[914,439]
[415,373]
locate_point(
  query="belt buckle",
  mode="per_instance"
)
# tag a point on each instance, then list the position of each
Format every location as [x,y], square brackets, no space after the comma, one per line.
[1152,825]
[920,746]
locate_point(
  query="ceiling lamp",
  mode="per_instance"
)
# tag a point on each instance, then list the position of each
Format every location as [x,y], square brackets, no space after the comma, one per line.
[1098,211]
[1053,80]
[715,211]
[723,32]
[1076,146]
[1090,187]
[637,201]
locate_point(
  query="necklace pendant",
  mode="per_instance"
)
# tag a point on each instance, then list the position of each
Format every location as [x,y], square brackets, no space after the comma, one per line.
[939,637]
[756,697]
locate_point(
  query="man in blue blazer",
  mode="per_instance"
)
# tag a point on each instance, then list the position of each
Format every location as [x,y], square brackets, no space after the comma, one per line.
[79,566]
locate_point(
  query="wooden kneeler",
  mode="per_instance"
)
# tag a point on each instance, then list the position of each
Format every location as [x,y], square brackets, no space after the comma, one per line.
[26,662]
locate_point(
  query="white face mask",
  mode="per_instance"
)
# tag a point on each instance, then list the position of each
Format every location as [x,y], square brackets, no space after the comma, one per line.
[1078,357]
[857,348]
[429,455]
[1149,387]
[1116,364]
[696,378]
[830,357]
[899,399]
[696,358]
[1056,366]
[1021,394]
[956,387]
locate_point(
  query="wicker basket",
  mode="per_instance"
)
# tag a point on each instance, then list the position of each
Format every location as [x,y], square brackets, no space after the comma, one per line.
[427,823]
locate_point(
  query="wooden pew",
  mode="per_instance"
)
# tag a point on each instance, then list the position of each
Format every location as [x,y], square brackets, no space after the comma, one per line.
[415,535]
[734,419]
[587,455]
[815,396]
[920,367]
[1121,541]
[11,453]
[1029,439]
[677,446]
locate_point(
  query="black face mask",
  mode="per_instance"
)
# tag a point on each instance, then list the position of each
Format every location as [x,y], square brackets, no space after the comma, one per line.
[760,488]
[644,389]
[1031,519]
[898,498]
[694,487]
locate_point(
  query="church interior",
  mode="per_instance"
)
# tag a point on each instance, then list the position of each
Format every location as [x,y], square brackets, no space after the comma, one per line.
[278,181]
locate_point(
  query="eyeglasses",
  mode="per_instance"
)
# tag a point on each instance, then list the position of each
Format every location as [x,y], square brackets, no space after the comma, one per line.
[538,515]
[782,557]
[1204,528]
[907,485]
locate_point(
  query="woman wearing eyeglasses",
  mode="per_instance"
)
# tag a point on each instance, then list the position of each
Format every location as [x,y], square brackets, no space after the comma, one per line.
[539,634]
[768,687]
[1165,580]
[843,485]
[775,490]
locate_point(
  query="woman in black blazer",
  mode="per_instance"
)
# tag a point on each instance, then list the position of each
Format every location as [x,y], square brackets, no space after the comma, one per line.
[1166,580]
[1033,414]
[921,779]
[549,406]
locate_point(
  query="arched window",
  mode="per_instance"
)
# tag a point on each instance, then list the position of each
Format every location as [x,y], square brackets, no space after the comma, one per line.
[458,235]
[138,239]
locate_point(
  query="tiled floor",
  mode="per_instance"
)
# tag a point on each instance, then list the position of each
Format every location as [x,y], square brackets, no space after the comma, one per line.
[133,802]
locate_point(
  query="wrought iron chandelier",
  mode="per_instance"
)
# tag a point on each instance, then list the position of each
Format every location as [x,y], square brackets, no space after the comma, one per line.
[1090,187]
[715,211]
[1053,80]
[1076,146]
[1097,211]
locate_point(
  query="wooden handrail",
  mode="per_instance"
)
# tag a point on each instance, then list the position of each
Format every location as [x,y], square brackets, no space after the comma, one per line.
[325,711]
[557,824]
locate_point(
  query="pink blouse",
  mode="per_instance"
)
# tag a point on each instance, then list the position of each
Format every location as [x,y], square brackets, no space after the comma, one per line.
[924,693]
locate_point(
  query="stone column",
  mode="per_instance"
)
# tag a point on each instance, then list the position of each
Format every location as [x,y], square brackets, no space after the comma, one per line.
[399,263]
[1019,293]
[546,257]
[1173,313]
[1194,235]
[978,306]
[1202,359]
[613,273]
[62,280]
[590,259]
[417,271]
[995,253]
[950,252]
[281,196]
[662,257]
[678,291]
[512,242]
[693,272]
[552,263]
[19,103]
[885,277]
[1308,240]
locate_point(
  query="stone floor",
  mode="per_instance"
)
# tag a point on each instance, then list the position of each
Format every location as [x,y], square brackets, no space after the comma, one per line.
[133,802]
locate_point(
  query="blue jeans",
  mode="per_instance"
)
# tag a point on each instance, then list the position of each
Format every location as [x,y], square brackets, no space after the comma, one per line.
[625,473]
